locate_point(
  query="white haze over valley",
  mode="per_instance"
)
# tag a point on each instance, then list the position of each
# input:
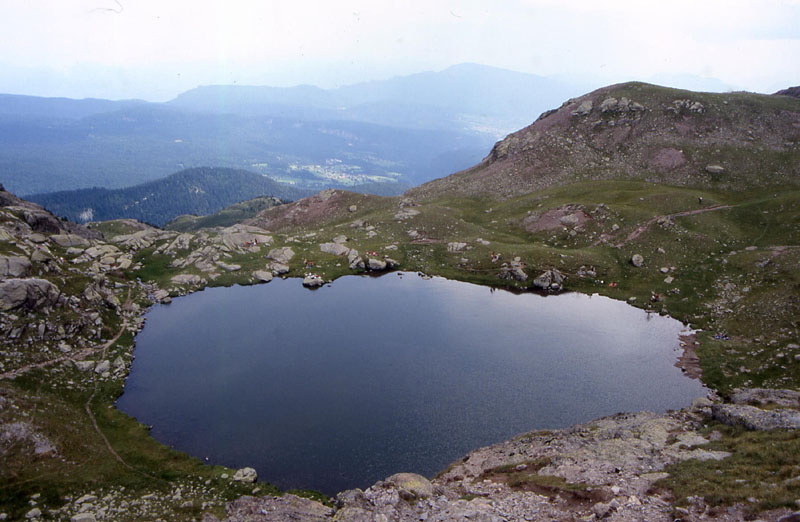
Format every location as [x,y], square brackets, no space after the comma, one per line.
[154,50]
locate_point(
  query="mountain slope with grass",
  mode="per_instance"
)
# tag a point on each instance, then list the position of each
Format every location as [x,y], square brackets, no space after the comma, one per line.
[197,191]
[716,249]
[637,131]
[226,217]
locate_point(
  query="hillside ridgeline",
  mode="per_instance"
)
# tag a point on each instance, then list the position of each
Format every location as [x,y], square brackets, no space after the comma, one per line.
[199,191]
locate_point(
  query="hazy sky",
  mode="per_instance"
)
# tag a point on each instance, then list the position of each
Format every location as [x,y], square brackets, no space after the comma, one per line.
[154,49]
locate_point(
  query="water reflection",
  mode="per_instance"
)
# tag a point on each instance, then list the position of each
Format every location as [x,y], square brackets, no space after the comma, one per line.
[343,386]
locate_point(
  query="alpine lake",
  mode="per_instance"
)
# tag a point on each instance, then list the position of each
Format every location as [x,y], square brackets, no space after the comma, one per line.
[342,386]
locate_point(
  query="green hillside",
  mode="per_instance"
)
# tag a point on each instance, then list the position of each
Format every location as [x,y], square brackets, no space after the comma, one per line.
[197,191]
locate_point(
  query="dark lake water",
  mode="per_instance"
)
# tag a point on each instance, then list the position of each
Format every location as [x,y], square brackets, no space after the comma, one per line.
[339,387]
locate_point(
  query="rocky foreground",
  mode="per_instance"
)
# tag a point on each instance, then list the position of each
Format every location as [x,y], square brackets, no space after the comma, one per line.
[605,469]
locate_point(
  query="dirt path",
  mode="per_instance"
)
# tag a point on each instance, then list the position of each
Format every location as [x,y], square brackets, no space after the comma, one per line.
[76,356]
[642,228]
[87,406]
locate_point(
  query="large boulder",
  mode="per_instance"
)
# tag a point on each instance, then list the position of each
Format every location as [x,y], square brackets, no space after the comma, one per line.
[29,294]
[244,236]
[313,281]
[13,266]
[69,240]
[334,249]
[550,280]
[354,260]
[247,475]
[263,276]
[763,396]
[754,418]
[281,255]
[411,486]
[376,264]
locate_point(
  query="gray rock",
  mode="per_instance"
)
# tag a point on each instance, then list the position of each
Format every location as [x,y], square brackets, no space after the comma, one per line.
[715,169]
[278,268]
[754,418]
[33,513]
[570,220]
[411,486]
[456,247]
[583,109]
[354,260]
[376,264]
[609,105]
[14,266]
[281,255]
[313,281]
[700,403]
[334,249]
[263,276]
[287,508]
[83,517]
[352,208]
[186,279]
[637,260]
[69,240]
[247,475]
[762,396]
[341,239]
[84,366]
[792,517]
[550,280]
[406,213]
[102,366]
[29,294]
[228,267]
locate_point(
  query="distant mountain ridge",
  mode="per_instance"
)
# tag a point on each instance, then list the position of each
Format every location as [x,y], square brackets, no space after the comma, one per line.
[383,134]
[486,95]
[197,191]
[16,106]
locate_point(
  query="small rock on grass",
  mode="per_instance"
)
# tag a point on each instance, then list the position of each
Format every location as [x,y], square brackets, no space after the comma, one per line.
[246,475]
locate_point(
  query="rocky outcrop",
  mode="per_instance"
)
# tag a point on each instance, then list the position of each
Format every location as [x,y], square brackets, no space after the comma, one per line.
[550,280]
[288,508]
[764,396]
[354,260]
[247,475]
[514,270]
[281,255]
[754,418]
[606,468]
[376,264]
[263,276]
[14,266]
[313,281]
[30,294]
[69,240]
[334,249]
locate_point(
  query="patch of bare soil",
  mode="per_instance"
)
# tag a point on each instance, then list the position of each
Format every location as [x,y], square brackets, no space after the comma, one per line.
[567,215]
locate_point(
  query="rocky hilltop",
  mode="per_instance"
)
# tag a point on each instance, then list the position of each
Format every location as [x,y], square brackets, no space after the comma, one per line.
[718,248]
[642,132]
